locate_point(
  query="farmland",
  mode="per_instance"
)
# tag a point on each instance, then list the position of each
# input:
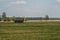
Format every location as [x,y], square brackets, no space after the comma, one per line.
[30,31]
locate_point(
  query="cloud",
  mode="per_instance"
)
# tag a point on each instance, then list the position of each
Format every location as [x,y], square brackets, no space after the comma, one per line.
[36,10]
[58,1]
[18,2]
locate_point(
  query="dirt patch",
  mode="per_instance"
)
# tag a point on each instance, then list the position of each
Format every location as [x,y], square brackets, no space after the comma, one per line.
[42,21]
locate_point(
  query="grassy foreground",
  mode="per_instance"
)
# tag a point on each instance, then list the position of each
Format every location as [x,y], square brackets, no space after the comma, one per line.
[30,31]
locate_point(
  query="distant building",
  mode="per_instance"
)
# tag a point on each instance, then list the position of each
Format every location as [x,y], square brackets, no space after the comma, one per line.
[19,20]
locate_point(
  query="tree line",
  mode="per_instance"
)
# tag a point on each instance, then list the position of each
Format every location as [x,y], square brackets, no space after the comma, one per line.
[4,17]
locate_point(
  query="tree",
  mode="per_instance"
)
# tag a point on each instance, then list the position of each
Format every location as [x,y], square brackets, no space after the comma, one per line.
[25,19]
[40,18]
[13,18]
[4,16]
[8,19]
[47,17]
[0,18]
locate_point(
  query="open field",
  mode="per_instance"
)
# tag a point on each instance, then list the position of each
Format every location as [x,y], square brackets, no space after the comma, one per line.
[43,21]
[30,31]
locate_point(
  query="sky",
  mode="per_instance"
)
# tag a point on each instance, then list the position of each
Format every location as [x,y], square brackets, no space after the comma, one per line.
[30,8]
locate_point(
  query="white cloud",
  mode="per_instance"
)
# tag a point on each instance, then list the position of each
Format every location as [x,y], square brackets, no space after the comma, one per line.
[18,2]
[36,10]
[58,1]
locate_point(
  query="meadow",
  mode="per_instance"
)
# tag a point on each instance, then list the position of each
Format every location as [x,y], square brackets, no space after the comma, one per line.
[30,31]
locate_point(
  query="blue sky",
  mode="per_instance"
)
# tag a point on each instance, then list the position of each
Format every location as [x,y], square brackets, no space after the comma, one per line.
[30,8]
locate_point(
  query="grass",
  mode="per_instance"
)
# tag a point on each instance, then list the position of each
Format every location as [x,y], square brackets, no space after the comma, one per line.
[30,31]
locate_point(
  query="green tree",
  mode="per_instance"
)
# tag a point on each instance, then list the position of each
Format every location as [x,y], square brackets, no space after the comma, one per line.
[46,17]
[0,18]
[4,16]
[40,18]
[13,18]
[8,19]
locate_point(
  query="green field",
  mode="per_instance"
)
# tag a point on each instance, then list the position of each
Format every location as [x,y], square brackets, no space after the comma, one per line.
[30,31]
